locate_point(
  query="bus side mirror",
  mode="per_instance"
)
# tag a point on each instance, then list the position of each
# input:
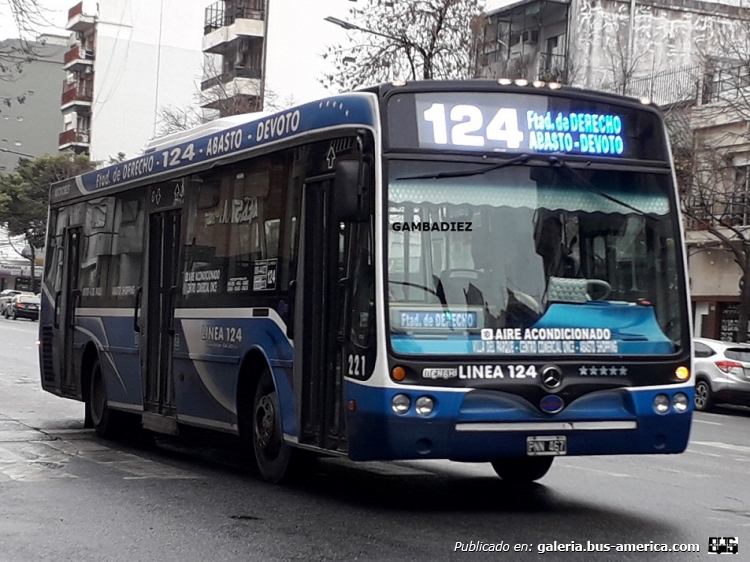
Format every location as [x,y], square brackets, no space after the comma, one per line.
[352,181]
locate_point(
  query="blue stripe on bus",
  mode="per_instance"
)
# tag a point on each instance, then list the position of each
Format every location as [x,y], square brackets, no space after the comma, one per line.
[343,110]
[203,389]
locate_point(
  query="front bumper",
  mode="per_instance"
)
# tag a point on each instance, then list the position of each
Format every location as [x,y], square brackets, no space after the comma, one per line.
[483,425]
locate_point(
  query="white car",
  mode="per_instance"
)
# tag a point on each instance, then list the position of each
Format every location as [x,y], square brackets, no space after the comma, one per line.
[722,373]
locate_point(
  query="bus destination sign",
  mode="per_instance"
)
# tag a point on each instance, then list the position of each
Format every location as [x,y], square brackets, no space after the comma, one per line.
[518,123]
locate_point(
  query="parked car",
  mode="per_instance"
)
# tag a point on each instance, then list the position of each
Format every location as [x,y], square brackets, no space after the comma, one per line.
[722,373]
[23,306]
[5,298]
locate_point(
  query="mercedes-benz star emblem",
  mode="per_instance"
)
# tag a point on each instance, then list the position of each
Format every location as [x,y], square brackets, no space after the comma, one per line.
[551,376]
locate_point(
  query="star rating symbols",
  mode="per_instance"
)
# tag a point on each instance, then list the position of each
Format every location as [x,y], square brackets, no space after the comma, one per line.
[612,371]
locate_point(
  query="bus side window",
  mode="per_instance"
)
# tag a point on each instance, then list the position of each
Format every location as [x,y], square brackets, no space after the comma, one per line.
[127,248]
[96,252]
[54,258]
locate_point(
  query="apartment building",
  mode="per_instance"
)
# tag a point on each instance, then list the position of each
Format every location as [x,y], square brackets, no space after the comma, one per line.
[29,98]
[234,42]
[128,61]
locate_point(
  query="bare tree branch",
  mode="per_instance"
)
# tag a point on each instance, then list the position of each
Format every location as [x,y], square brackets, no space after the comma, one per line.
[407,39]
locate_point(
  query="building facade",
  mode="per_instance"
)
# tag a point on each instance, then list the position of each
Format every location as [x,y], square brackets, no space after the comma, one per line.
[128,61]
[234,43]
[31,93]
[690,57]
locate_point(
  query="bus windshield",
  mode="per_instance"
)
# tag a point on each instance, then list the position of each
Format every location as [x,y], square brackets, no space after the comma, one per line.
[527,259]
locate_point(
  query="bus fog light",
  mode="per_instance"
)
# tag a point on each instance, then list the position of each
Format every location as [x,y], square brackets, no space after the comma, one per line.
[400,403]
[680,402]
[661,403]
[424,405]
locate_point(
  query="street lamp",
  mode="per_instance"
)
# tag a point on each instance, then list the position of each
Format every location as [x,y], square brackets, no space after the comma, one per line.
[341,23]
[353,27]
[15,152]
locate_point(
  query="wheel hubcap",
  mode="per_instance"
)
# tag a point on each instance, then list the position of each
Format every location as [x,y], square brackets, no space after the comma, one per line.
[265,423]
[701,395]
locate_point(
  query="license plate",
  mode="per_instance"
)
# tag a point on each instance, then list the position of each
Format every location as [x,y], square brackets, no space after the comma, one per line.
[550,445]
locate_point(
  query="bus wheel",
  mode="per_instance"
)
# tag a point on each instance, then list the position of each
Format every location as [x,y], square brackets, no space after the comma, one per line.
[271,453]
[522,470]
[277,461]
[101,416]
[703,398]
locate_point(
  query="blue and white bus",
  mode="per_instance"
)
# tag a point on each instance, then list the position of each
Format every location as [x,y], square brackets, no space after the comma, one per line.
[482,271]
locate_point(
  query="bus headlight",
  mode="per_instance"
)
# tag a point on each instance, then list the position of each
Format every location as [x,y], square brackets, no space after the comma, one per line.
[680,402]
[661,403]
[424,405]
[400,403]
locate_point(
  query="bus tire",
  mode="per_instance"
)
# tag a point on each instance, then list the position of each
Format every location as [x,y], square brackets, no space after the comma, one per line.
[96,404]
[703,396]
[277,462]
[522,470]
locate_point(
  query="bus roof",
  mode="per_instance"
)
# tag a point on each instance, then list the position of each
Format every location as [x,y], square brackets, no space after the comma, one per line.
[206,145]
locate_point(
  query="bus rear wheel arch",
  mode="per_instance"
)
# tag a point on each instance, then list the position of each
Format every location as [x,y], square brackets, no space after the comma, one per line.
[107,423]
[96,402]
[522,470]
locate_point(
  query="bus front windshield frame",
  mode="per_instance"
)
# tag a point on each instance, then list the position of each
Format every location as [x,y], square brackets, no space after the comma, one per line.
[532,259]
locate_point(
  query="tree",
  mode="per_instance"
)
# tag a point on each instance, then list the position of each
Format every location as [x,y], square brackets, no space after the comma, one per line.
[27,15]
[173,119]
[709,144]
[407,39]
[24,196]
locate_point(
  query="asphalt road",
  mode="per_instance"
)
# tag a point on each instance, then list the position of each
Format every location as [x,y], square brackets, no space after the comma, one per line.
[67,495]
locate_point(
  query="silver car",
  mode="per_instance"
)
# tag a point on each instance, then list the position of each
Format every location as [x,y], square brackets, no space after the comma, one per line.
[722,373]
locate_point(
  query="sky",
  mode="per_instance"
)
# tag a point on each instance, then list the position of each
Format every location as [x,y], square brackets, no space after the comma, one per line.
[297,38]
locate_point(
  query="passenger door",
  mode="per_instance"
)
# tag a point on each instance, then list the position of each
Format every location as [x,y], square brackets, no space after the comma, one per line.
[157,332]
[319,314]
[66,301]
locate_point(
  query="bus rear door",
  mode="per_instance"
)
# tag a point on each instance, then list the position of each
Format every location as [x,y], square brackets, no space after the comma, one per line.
[67,299]
[157,335]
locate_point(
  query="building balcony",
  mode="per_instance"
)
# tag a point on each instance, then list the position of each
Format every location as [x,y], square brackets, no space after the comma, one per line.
[224,90]
[76,95]
[74,140]
[552,67]
[78,21]
[77,60]
[246,77]
[230,21]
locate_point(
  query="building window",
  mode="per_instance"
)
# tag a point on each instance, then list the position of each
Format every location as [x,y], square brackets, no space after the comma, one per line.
[738,201]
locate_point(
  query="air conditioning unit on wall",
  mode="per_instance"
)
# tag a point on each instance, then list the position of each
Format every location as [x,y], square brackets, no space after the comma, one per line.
[530,36]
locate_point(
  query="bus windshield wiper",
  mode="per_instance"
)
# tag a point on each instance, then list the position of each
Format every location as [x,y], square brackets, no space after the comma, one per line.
[521,159]
[556,162]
